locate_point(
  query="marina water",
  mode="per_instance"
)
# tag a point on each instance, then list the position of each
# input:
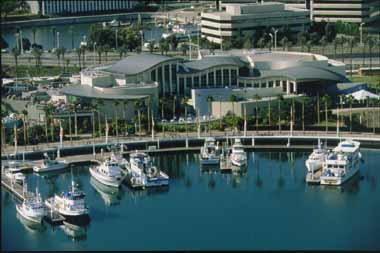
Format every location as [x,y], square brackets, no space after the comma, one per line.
[269,206]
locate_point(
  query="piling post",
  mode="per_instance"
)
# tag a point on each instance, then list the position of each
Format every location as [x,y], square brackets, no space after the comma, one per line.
[187,143]
[158,143]
[93,149]
[288,144]
[253,142]
[102,152]
[58,153]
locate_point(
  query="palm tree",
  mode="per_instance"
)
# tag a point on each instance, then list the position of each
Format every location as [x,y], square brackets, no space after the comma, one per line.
[71,29]
[84,48]
[16,54]
[151,47]
[303,114]
[184,103]
[138,105]
[116,105]
[36,52]
[99,103]
[106,50]
[350,99]
[261,42]
[63,51]
[336,43]
[318,110]
[279,99]
[342,44]
[352,43]
[365,40]
[100,50]
[326,100]
[58,53]
[233,99]
[371,44]
[269,114]
[24,114]
[301,40]
[162,102]
[78,51]
[284,42]
[122,51]
[174,104]
[309,44]
[323,42]
[209,101]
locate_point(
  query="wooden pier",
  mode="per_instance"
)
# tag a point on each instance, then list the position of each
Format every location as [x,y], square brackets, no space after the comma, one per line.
[17,190]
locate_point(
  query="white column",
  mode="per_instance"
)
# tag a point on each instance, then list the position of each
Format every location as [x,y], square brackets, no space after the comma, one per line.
[170,78]
[207,81]
[287,87]
[295,87]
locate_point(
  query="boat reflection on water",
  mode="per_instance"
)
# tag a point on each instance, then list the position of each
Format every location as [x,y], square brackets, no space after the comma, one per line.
[75,231]
[30,226]
[50,175]
[110,195]
[209,168]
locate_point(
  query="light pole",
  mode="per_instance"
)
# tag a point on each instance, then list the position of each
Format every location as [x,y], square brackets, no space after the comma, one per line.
[142,39]
[22,44]
[188,35]
[271,39]
[94,52]
[57,39]
[275,38]
[361,34]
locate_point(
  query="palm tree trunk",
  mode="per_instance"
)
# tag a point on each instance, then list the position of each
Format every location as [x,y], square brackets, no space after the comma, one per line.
[24,128]
[350,117]
[318,110]
[327,127]
[139,117]
[46,129]
[76,123]
[257,118]
[279,115]
[303,115]
[99,125]
[71,135]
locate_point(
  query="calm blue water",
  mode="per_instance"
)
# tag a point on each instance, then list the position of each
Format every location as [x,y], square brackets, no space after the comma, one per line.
[267,207]
[45,35]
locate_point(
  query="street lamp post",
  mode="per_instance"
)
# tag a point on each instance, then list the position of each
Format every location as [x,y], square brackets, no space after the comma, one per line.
[57,39]
[94,52]
[275,38]
[361,34]
[188,35]
[271,39]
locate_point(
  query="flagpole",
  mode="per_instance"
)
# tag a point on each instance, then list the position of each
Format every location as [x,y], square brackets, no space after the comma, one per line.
[60,133]
[152,126]
[106,130]
[15,138]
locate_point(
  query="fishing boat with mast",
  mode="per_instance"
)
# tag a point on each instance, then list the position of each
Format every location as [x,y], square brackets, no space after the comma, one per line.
[32,208]
[317,158]
[210,154]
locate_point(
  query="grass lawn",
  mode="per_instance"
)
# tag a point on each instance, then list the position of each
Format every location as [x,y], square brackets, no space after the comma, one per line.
[371,80]
[42,71]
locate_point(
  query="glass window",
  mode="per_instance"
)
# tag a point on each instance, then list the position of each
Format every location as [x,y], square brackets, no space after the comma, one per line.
[196,81]
[278,83]
[263,84]
[204,81]
[256,85]
[159,75]
[153,75]
[241,84]
[219,77]
[167,74]
[211,79]
[189,82]
[249,84]
[270,84]
[174,73]
[233,77]
[226,77]
[181,86]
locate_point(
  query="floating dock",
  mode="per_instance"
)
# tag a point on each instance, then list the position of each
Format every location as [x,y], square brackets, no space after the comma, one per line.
[17,190]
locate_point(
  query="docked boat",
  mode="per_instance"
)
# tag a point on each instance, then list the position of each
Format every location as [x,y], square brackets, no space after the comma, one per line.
[210,154]
[238,156]
[32,209]
[316,158]
[143,173]
[50,165]
[70,204]
[15,177]
[342,163]
[108,173]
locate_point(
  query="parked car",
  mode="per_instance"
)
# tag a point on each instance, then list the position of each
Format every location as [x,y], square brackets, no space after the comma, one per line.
[181,120]
[164,121]
[189,119]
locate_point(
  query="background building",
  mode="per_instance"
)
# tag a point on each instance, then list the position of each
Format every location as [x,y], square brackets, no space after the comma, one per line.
[248,19]
[356,11]
[56,7]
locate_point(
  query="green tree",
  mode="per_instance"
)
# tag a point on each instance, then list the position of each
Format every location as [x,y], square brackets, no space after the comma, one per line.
[371,44]
[233,99]
[116,108]
[36,52]
[301,39]
[78,51]
[248,43]
[16,53]
[284,41]
[151,47]
[323,42]
[352,44]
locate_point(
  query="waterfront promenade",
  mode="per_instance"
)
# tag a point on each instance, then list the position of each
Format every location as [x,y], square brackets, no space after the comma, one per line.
[183,141]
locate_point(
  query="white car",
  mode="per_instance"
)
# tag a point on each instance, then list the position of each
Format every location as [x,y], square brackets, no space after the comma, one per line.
[181,120]
[189,119]
[172,120]
[164,121]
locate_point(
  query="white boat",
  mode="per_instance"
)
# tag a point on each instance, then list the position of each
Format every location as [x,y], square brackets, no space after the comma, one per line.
[32,209]
[118,157]
[70,204]
[316,158]
[342,163]
[209,152]
[50,165]
[108,173]
[143,173]
[15,177]
[238,156]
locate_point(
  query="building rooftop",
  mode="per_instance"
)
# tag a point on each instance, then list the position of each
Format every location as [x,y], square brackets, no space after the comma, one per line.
[212,61]
[88,91]
[135,64]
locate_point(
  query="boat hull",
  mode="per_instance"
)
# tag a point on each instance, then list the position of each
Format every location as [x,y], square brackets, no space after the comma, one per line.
[239,162]
[106,181]
[313,165]
[210,161]
[34,219]
[60,166]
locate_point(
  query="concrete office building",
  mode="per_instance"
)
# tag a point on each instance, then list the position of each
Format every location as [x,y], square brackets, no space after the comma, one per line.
[246,19]
[355,11]
[56,7]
